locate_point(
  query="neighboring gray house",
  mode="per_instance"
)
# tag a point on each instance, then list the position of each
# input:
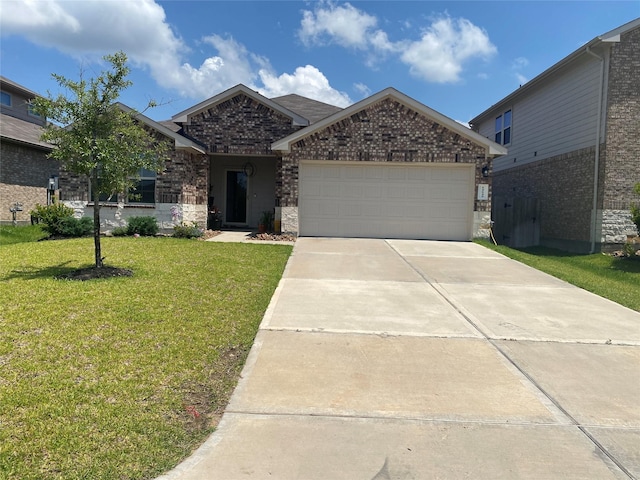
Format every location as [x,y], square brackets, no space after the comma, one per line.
[573,135]
[386,167]
[25,170]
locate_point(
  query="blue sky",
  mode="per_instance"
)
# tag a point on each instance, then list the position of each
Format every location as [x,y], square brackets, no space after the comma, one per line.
[457,57]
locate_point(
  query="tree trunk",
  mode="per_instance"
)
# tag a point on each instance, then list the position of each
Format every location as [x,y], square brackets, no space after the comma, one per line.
[96,220]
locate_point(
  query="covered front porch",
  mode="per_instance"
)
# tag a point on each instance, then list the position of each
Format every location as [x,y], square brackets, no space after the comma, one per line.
[241,188]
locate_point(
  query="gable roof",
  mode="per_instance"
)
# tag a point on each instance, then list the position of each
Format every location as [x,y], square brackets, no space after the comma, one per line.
[312,110]
[21,131]
[183,117]
[180,142]
[492,148]
[11,85]
[612,36]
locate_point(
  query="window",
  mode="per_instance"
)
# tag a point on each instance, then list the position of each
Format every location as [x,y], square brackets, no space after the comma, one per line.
[104,197]
[5,99]
[32,112]
[144,190]
[503,128]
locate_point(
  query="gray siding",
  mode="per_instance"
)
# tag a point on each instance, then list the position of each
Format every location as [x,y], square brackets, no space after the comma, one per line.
[19,107]
[559,116]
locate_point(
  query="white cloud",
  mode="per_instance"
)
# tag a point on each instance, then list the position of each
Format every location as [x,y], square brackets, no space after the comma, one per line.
[90,29]
[444,47]
[30,16]
[84,28]
[341,24]
[233,64]
[307,81]
[519,62]
[362,89]
[517,65]
[438,56]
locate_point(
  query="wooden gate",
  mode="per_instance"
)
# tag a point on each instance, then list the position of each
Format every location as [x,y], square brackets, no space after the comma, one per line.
[516,221]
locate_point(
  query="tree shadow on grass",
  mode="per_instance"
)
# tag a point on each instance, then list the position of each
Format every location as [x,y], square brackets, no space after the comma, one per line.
[64,272]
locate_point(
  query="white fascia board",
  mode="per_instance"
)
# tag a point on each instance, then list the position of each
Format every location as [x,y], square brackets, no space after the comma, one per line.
[183,117]
[492,148]
[180,142]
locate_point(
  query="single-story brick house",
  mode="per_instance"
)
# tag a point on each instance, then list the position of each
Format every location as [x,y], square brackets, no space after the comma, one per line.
[27,176]
[387,166]
[573,134]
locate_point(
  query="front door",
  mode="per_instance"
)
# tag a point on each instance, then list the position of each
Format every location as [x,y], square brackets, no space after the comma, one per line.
[236,211]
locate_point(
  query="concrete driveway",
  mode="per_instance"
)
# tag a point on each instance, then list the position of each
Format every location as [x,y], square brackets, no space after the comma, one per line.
[405,359]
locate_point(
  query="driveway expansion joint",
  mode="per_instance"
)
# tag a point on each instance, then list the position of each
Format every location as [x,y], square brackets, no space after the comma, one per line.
[533,382]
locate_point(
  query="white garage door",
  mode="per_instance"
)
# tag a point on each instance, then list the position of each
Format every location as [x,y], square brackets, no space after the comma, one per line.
[421,201]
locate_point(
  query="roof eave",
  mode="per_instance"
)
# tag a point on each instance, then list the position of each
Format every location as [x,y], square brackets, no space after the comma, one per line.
[180,142]
[612,36]
[38,146]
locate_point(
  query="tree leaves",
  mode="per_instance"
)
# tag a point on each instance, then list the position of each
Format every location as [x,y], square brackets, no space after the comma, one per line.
[99,138]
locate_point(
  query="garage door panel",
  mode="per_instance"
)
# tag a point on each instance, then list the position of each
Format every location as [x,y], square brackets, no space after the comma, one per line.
[386,200]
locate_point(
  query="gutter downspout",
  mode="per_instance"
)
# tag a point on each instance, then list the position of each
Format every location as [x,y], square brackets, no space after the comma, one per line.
[596,167]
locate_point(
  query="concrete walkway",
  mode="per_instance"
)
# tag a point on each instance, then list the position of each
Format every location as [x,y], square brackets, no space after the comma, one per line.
[408,359]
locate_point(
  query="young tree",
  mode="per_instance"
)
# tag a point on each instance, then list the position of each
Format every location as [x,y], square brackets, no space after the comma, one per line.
[98,138]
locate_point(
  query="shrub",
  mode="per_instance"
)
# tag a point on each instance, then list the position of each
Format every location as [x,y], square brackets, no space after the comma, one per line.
[146,226]
[120,231]
[187,230]
[76,227]
[629,251]
[635,209]
[52,216]
[266,220]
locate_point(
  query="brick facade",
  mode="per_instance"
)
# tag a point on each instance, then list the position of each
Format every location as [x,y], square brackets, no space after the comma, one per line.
[386,131]
[24,176]
[622,151]
[184,179]
[240,125]
[563,184]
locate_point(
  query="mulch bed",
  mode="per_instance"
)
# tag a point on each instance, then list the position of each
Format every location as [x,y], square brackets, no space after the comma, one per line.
[273,237]
[91,273]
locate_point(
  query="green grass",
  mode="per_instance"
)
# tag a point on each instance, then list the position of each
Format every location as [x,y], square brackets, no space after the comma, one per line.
[617,279]
[20,234]
[122,378]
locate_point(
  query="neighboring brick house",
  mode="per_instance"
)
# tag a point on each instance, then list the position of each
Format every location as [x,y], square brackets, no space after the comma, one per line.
[25,170]
[573,135]
[387,166]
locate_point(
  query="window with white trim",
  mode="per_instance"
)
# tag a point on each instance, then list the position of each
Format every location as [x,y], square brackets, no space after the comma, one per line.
[503,128]
[5,99]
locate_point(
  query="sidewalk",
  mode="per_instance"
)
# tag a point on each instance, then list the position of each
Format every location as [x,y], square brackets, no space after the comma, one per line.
[243,236]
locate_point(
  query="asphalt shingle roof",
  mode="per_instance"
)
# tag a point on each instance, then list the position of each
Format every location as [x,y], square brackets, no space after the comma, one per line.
[312,110]
[21,131]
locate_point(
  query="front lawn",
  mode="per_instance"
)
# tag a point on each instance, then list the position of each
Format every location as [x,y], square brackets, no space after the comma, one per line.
[122,378]
[617,279]
[30,233]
